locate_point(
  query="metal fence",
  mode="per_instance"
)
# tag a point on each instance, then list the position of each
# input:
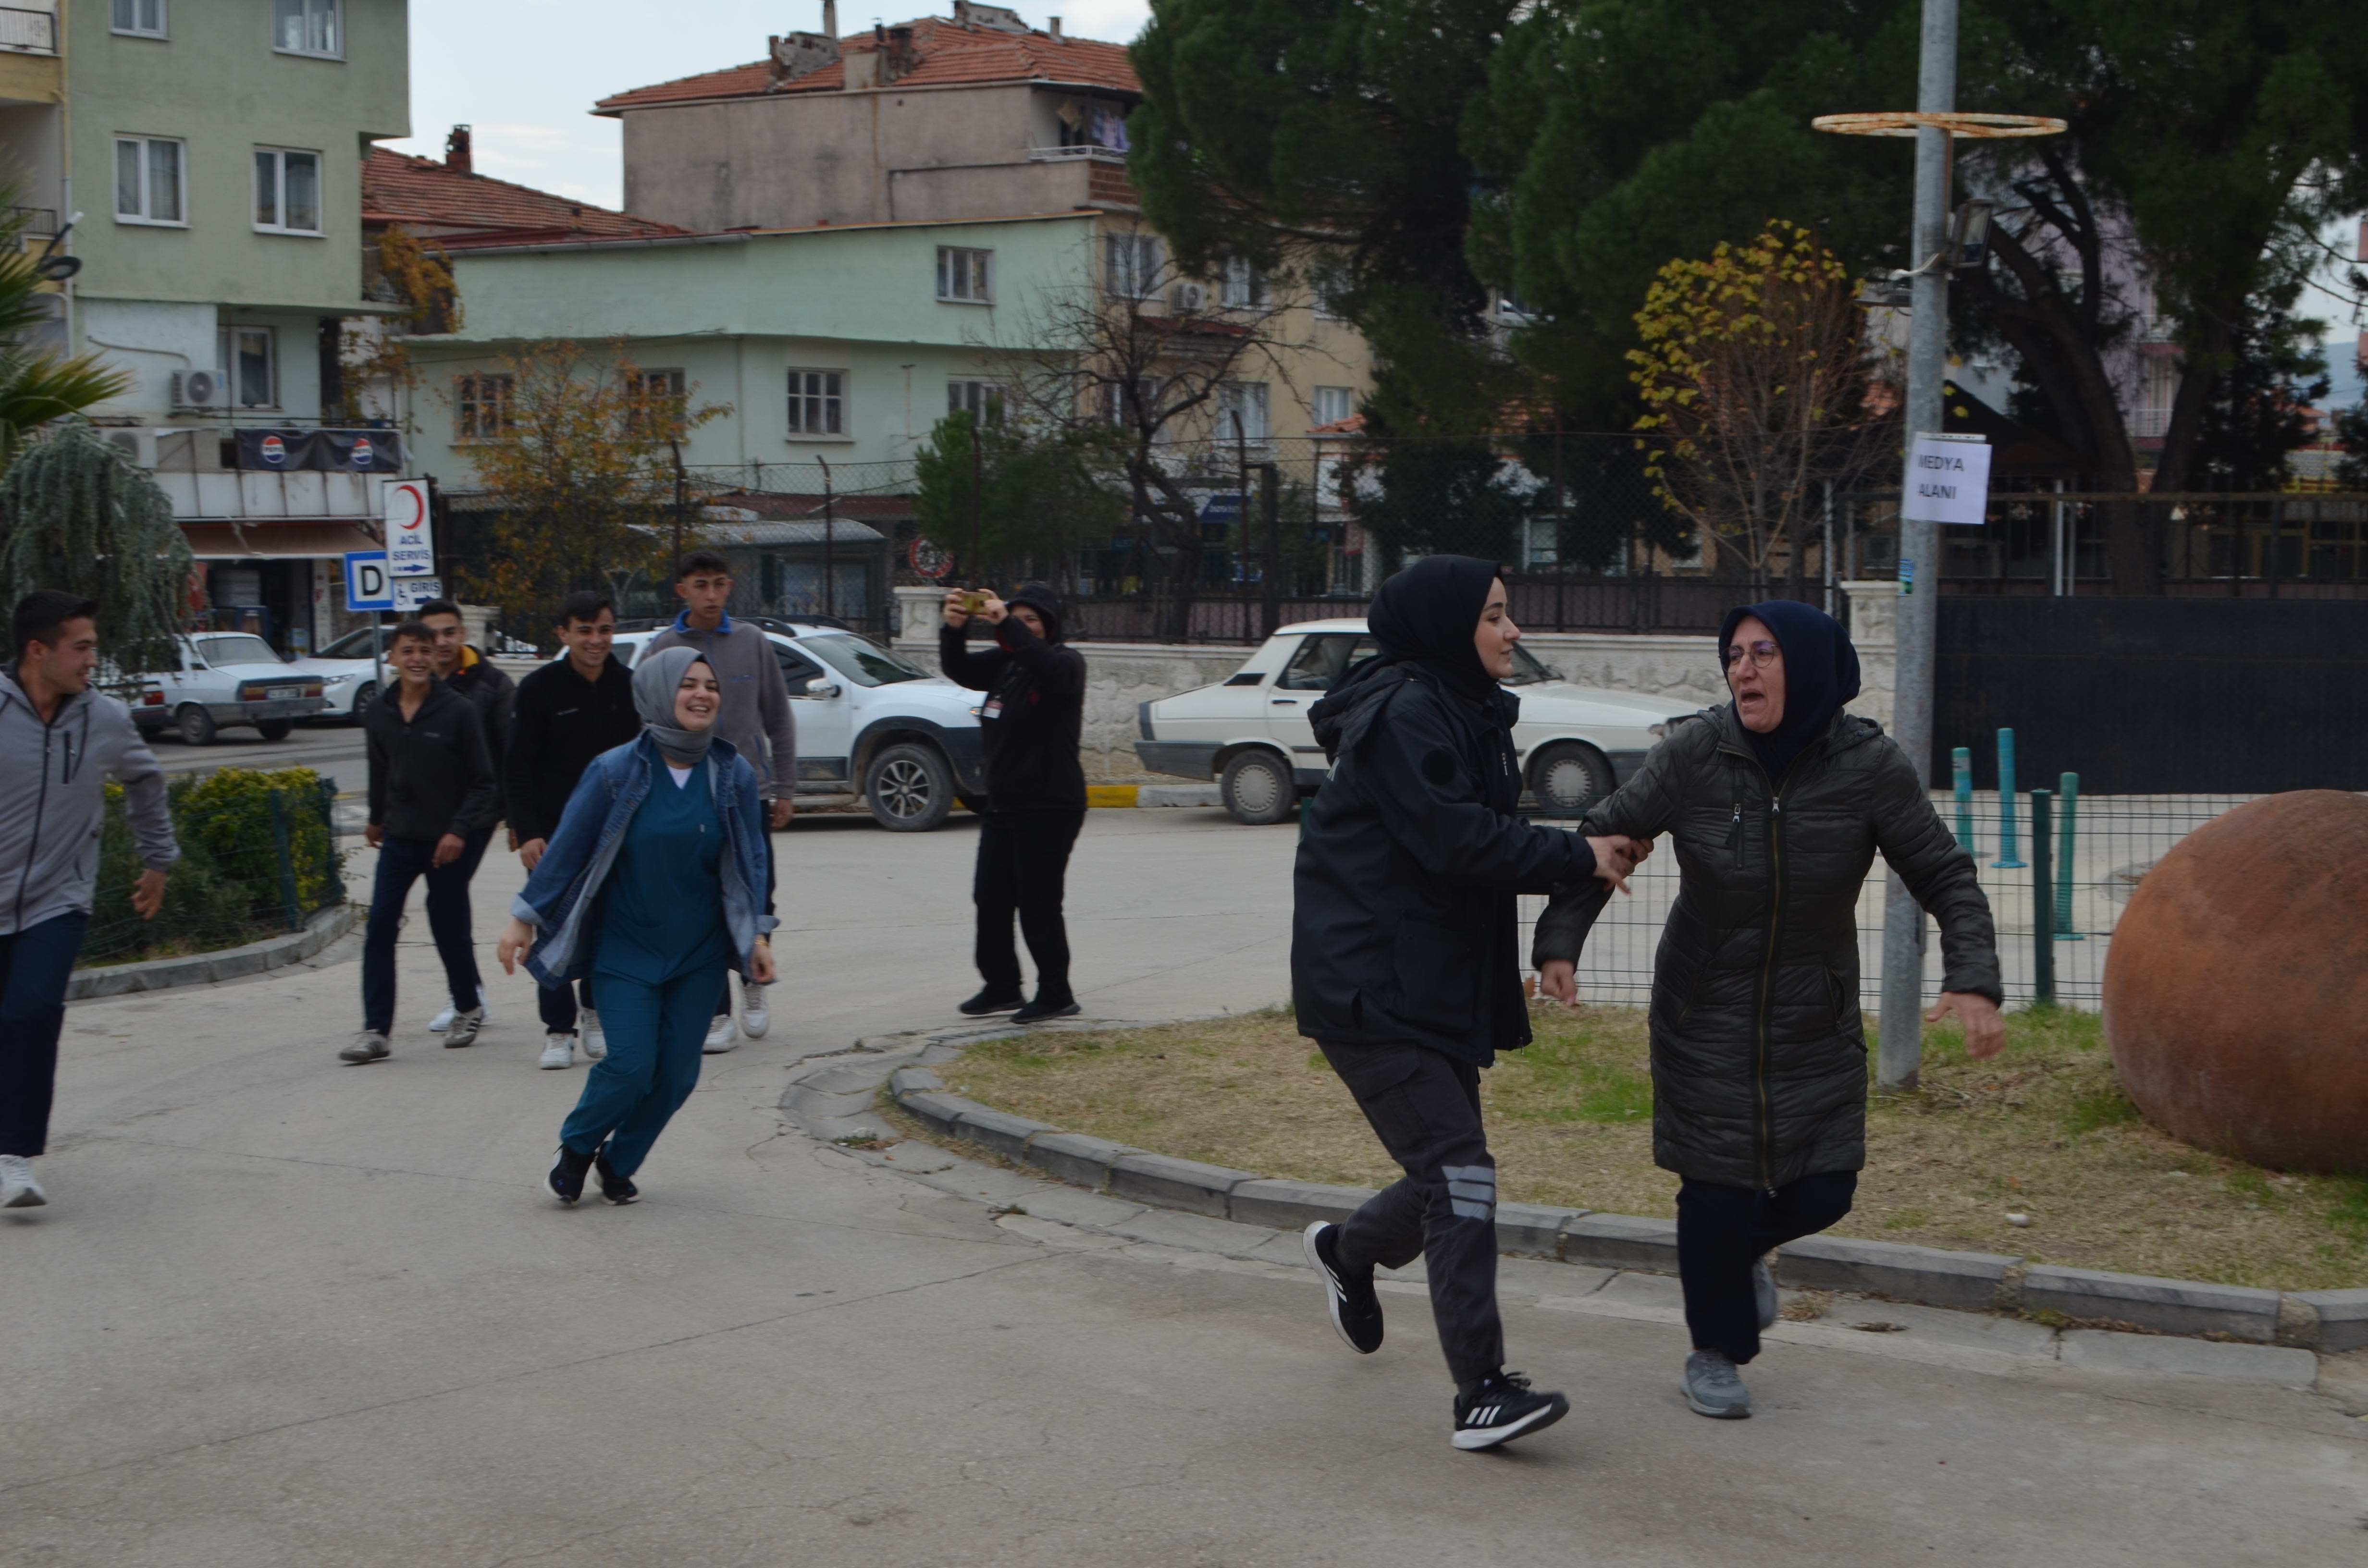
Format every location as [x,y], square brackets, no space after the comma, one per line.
[2098,856]
[259,856]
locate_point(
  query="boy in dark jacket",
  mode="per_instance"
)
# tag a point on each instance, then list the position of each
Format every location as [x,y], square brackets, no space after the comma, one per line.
[566,713]
[432,789]
[1035,791]
[468,674]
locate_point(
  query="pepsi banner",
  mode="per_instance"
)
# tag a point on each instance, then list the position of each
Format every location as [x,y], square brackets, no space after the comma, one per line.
[330,451]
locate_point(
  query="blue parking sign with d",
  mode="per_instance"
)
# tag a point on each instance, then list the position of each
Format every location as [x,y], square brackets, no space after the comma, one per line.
[368,585]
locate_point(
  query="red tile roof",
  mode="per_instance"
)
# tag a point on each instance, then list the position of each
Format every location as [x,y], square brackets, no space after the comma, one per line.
[422,193]
[947,55]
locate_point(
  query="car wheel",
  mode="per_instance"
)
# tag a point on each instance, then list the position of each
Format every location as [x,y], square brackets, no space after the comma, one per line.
[1567,778]
[909,789]
[363,698]
[196,725]
[1257,789]
[276,728]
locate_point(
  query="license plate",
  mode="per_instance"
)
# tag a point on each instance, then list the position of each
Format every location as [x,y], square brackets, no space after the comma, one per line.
[281,692]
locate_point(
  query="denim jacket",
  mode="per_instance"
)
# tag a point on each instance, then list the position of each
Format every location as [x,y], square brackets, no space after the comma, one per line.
[560,897]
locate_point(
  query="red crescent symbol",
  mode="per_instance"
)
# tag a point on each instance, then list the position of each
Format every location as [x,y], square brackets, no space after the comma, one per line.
[418,509]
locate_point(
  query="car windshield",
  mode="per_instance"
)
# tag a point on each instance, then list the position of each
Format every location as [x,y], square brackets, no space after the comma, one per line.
[354,644]
[1526,671]
[863,662]
[240,649]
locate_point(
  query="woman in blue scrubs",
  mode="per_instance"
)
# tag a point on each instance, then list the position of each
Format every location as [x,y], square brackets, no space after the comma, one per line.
[653,885]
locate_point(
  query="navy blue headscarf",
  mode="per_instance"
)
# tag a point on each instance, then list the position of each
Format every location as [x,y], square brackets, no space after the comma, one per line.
[1426,614]
[1820,675]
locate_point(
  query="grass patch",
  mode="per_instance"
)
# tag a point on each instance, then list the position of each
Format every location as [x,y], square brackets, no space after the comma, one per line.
[2041,1129]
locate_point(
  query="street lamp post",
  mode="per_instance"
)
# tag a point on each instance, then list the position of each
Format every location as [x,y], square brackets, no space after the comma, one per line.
[1935,124]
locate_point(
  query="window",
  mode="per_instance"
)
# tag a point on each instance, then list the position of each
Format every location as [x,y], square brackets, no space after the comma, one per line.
[307,27]
[1133,265]
[1334,403]
[861,662]
[982,400]
[966,275]
[1146,402]
[248,353]
[1323,659]
[144,18]
[286,191]
[481,408]
[1331,283]
[657,385]
[148,180]
[1245,285]
[817,402]
[656,398]
[1245,399]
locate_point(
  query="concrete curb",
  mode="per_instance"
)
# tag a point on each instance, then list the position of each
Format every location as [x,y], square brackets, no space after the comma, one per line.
[231,963]
[2328,1321]
[1147,797]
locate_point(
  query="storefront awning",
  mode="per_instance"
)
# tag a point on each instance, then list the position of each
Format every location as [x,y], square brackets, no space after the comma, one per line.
[275,540]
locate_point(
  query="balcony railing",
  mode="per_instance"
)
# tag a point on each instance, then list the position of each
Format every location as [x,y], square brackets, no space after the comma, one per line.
[36,220]
[28,32]
[1087,155]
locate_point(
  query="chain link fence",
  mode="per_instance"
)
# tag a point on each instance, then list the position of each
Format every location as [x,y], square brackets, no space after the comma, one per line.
[2098,851]
[259,855]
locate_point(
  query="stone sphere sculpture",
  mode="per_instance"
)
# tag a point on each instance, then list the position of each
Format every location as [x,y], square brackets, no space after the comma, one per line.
[2236,986]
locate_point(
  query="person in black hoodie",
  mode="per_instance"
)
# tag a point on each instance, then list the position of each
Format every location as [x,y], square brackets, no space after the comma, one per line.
[1035,791]
[1404,959]
[432,786]
[566,713]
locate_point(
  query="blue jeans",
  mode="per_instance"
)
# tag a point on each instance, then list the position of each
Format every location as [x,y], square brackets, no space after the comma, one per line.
[400,862]
[34,966]
[655,1035]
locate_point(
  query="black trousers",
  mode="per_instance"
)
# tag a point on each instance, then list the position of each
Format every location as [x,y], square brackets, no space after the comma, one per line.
[1426,1108]
[400,862]
[35,964]
[1722,1231]
[557,1004]
[1023,864]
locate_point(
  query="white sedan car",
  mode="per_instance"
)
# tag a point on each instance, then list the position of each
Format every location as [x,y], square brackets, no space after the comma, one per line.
[348,671]
[1250,731]
[223,679]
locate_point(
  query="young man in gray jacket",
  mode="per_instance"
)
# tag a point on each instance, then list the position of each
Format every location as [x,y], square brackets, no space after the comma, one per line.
[60,742]
[755,717]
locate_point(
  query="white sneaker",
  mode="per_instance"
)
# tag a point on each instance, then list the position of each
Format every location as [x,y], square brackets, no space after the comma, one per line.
[596,1046]
[443,1020]
[18,1187]
[721,1036]
[755,1016]
[558,1051]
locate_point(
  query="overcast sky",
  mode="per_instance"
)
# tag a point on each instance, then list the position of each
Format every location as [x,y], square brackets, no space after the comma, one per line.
[525,73]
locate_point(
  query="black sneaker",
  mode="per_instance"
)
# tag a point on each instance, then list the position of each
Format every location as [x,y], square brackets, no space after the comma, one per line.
[987,1002]
[1036,1012]
[567,1172]
[615,1189]
[1356,1305]
[1499,1409]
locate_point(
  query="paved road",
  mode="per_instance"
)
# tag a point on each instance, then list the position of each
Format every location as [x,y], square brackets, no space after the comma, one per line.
[333,750]
[287,1312]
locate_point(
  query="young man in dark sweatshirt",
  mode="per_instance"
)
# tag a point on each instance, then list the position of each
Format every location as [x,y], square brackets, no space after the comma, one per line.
[468,673]
[1035,791]
[566,713]
[432,789]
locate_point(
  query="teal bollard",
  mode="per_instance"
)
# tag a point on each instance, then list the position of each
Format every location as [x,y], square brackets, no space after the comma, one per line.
[1961,772]
[2042,907]
[2008,859]
[2068,804]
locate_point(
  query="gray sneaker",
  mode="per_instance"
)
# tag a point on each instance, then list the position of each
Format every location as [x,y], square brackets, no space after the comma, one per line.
[464,1029]
[1763,1292]
[1713,1387]
[369,1046]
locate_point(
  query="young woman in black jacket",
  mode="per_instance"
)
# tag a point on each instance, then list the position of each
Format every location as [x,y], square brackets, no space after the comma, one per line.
[1779,803]
[1035,792]
[1404,959]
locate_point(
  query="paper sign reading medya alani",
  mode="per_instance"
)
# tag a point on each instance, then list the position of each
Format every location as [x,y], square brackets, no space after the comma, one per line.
[1948,479]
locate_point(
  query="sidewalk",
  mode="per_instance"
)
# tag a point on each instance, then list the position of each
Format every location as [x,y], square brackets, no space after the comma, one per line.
[283,1311]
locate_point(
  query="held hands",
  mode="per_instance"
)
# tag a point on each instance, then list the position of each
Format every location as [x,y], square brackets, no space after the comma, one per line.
[1558,981]
[992,611]
[1984,1030]
[1617,855]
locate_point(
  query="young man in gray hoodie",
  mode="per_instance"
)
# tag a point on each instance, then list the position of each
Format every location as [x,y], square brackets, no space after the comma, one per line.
[60,744]
[755,717]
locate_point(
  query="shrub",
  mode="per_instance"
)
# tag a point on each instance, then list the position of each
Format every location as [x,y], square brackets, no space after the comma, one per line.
[233,883]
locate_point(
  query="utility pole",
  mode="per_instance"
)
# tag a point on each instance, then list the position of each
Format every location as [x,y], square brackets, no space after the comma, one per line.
[678,503]
[1270,497]
[829,589]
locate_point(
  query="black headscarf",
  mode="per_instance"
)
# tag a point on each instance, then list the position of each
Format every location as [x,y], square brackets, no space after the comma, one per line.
[1820,675]
[1039,597]
[1425,616]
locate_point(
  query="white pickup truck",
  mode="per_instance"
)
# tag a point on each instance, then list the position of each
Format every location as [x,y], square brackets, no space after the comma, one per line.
[225,678]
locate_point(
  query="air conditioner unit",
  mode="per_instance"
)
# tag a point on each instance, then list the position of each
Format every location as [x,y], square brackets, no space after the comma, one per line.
[200,390]
[140,446]
[1191,297]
